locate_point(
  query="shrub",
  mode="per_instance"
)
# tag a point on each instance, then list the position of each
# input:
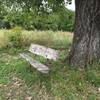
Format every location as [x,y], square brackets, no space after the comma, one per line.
[61,20]
[15,37]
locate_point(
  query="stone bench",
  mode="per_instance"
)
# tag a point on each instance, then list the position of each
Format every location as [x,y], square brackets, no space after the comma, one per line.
[47,53]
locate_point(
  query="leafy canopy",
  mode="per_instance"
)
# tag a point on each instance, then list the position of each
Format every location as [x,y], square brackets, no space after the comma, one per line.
[39,5]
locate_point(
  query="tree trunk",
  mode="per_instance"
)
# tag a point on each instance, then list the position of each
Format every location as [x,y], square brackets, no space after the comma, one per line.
[86,41]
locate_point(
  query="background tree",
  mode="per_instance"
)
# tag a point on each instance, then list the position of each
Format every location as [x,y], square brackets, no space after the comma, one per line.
[38,14]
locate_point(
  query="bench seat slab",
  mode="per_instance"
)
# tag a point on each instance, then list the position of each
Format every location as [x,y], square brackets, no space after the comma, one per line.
[39,66]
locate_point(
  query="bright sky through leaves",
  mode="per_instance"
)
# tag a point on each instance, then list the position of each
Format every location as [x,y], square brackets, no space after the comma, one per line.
[72,6]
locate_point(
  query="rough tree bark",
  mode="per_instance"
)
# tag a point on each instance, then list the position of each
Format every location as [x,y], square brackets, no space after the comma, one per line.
[86,41]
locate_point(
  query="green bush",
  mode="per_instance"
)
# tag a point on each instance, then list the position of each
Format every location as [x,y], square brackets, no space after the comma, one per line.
[15,37]
[61,20]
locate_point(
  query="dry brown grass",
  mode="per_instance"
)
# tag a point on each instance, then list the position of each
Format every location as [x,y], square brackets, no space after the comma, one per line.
[40,37]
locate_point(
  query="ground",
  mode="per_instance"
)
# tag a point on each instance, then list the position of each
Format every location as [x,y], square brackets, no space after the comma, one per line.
[18,81]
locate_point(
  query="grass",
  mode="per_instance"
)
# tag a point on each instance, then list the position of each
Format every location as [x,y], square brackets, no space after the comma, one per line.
[20,82]
[47,38]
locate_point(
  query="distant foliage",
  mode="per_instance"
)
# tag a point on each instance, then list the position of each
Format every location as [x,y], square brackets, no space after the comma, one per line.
[59,19]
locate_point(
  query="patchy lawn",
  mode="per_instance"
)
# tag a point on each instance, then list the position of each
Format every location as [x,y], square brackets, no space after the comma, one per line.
[18,81]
